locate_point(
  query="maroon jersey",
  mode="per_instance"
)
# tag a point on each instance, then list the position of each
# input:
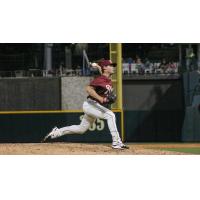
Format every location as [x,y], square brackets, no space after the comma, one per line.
[102,85]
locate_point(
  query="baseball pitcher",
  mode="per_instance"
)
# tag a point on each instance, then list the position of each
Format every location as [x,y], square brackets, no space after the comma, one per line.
[98,105]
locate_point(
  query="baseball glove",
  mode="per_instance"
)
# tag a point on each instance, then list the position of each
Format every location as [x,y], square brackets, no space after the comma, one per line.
[111,98]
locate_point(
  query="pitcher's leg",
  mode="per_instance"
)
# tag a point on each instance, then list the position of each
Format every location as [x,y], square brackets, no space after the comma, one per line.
[116,140]
[111,120]
[101,112]
[91,113]
[85,124]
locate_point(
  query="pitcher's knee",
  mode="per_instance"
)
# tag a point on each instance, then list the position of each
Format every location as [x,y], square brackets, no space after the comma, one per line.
[110,114]
[83,129]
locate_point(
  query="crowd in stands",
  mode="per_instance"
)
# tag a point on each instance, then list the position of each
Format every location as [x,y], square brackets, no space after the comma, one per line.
[129,66]
[145,66]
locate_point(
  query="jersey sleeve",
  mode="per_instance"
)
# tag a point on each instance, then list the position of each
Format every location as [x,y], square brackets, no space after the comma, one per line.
[96,82]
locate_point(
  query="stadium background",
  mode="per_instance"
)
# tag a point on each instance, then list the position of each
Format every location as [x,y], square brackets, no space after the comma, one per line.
[42,86]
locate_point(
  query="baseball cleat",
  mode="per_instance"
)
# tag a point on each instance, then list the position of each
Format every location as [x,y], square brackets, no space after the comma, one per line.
[119,146]
[51,135]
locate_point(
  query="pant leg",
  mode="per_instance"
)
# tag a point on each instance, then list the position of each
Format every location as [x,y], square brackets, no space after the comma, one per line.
[85,124]
[111,120]
[98,111]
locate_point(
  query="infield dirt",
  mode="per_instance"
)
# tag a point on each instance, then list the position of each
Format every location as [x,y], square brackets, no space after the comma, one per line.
[89,149]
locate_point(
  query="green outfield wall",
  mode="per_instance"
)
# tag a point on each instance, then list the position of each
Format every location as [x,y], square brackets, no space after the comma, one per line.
[153,126]
[32,127]
[139,126]
[191,126]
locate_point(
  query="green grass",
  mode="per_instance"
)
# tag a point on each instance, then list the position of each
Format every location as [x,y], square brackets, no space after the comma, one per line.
[192,150]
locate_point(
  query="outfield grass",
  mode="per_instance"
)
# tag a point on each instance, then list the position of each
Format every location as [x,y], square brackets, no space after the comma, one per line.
[191,150]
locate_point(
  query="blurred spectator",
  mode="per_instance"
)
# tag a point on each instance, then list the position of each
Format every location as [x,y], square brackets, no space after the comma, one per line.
[164,65]
[140,65]
[171,67]
[148,66]
[147,63]
[130,62]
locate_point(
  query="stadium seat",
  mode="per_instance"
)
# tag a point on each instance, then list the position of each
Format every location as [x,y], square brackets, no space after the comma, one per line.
[125,68]
[19,73]
[134,69]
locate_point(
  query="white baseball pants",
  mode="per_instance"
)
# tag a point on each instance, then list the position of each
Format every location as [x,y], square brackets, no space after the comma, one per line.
[93,110]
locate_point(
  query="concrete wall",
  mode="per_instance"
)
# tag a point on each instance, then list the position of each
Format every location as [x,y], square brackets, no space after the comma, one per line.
[43,93]
[30,94]
[146,95]
[73,92]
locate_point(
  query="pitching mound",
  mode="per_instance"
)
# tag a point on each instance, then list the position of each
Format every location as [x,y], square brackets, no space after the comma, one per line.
[93,149]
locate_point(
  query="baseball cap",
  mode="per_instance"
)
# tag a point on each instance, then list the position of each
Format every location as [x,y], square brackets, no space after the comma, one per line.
[104,63]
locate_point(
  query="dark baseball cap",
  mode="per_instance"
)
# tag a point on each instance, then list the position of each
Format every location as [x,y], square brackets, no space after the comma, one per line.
[104,63]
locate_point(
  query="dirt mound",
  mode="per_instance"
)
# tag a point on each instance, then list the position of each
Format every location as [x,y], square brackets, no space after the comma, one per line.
[86,149]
